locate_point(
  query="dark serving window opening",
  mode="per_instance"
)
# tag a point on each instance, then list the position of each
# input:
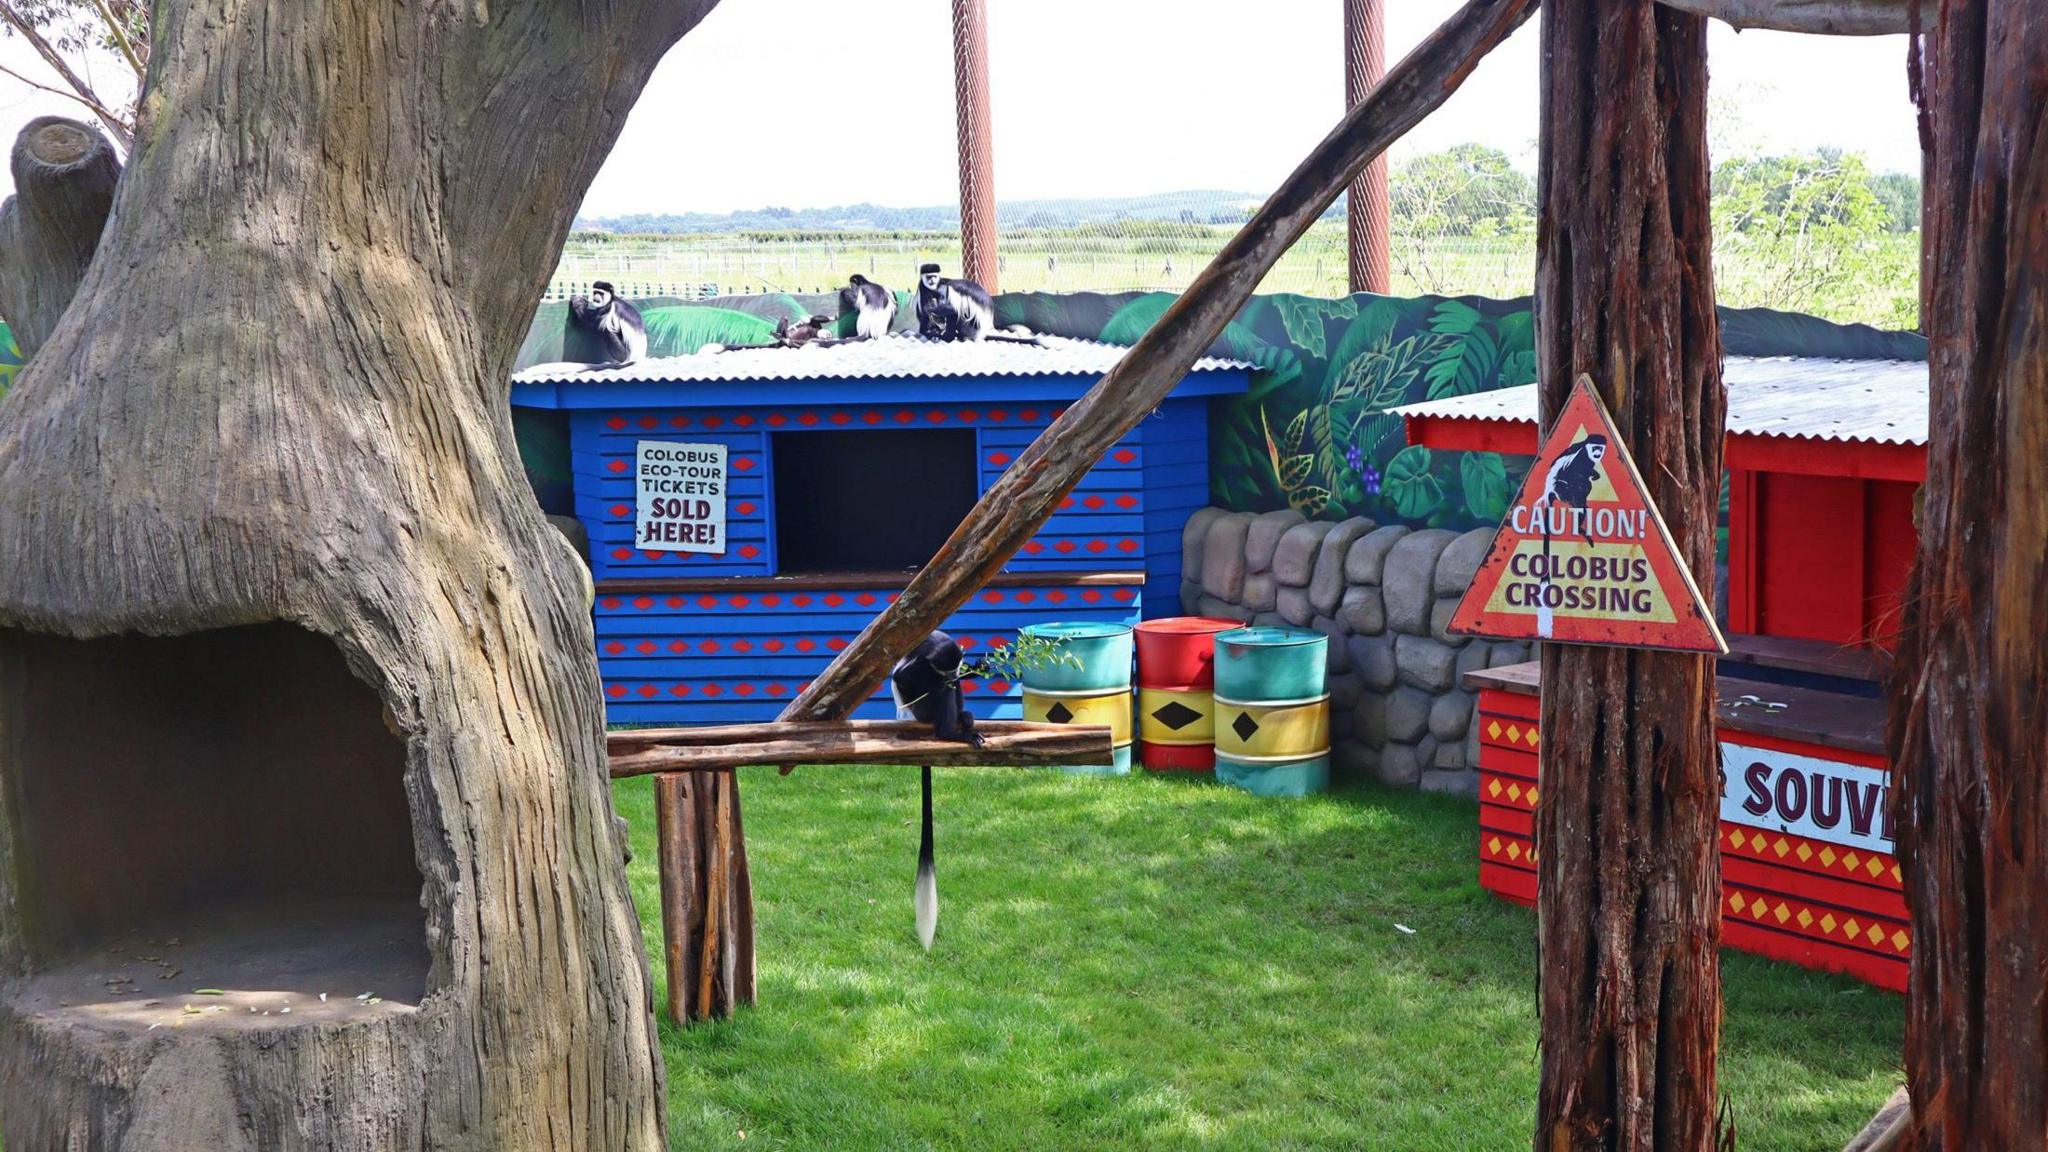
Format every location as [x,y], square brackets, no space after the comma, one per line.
[870,501]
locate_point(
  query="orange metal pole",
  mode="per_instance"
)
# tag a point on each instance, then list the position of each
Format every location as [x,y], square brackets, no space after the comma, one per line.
[1366,217]
[977,162]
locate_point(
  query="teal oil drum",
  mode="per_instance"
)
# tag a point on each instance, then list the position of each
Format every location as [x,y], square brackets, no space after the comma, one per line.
[1273,710]
[1094,691]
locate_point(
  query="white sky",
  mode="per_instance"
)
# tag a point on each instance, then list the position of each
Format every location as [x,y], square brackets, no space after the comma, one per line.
[761,104]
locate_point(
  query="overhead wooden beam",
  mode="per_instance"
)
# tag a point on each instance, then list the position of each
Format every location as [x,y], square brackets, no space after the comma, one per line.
[1825,17]
[1014,508]
[1006,744]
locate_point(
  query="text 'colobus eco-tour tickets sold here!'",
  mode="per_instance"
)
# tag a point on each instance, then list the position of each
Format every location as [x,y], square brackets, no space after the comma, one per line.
[679,497]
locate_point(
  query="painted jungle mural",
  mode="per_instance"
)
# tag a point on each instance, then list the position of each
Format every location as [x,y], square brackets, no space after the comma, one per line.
[1313,433]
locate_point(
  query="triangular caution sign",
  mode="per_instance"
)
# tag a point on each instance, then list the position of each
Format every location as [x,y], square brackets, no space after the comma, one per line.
[1582,556]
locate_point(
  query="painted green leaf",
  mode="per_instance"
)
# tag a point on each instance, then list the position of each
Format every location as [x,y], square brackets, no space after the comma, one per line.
[1295,470]
[1518,368]
[1452,318]
[1297,429]
[1408,484]
[1310,502]
[1485,481]
[1372,328]
[682,329]
[1463,366]
[1517,333]
[1303,318]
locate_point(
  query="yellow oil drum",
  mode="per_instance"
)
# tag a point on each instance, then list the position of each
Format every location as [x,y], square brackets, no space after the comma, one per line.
[1110,709]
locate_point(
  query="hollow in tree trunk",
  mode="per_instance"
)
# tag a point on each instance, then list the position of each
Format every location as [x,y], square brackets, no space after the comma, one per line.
[1969,704]
[1629,873]
[297,693]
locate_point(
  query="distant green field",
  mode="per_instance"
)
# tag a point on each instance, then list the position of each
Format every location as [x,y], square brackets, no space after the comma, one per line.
[1873,283]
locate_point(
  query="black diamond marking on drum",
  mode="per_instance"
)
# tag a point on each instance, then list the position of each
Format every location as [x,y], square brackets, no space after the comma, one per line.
[1176,715]
[1058,713]
[1244,726]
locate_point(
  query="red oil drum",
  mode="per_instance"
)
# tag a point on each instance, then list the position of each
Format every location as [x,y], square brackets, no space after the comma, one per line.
[1176,687]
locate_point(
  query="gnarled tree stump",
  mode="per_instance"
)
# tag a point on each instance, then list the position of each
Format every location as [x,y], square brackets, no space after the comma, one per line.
[64,178]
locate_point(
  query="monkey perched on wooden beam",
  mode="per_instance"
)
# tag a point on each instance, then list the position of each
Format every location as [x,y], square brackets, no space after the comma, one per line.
[926,685]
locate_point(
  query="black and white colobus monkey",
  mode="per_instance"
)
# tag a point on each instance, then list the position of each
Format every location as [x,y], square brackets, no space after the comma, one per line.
[952,309]
[926,685]
[1570,479]
[873,307]
[604,329]
[1568,483]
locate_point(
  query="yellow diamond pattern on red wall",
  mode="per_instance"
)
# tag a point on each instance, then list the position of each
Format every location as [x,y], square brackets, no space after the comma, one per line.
[1493,729]
[1827,857]
[1493,787]
[1737,900]
[1805,918]
[1803,852]
[1900,940]
[1827,922]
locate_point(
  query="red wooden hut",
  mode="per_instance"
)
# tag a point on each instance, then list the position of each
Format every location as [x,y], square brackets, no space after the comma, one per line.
[1824,460]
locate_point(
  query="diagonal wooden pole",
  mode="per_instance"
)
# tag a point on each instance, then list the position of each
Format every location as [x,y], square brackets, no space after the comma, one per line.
[1014,508]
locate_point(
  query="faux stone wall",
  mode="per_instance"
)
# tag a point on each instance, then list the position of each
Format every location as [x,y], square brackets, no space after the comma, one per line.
[1383,596]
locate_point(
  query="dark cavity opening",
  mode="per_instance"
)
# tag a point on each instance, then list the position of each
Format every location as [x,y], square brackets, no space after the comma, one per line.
[878,500]
[224,810]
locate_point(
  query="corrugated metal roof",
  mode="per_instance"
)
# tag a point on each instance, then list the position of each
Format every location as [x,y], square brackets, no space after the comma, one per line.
[891,358]
[1877,401]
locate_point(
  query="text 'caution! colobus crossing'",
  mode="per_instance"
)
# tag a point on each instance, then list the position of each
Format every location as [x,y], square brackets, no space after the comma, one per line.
[679,497]
[1582,556]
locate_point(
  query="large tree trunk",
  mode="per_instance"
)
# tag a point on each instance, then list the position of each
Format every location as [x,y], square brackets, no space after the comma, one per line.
[1629,873]
[298,694]
[1970,705]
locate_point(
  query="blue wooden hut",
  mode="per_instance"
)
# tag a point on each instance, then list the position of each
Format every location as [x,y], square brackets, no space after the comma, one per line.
[844,469]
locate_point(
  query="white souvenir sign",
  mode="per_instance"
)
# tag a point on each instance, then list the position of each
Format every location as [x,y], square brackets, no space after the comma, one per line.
[1825,800]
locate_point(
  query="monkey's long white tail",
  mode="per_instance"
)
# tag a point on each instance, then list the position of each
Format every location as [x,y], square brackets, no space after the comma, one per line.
[1544,620]
[925,900]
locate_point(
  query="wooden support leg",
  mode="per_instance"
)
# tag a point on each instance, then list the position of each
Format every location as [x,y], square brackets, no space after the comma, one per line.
[707,895]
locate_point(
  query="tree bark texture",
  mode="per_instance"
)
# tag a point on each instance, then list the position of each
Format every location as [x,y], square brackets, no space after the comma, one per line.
[707,895]
[1823,17]
[64,177]
[280,394]
[1969,705]
[1629,871]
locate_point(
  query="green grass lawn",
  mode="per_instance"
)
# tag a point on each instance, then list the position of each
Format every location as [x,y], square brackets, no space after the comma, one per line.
[1152,963]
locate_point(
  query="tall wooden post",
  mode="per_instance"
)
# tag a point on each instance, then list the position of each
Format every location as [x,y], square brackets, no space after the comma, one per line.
[977,159]
[1367,219]
[1970,704]
[1629,873]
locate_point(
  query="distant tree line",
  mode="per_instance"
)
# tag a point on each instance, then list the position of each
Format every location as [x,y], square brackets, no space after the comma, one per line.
[1469,190]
